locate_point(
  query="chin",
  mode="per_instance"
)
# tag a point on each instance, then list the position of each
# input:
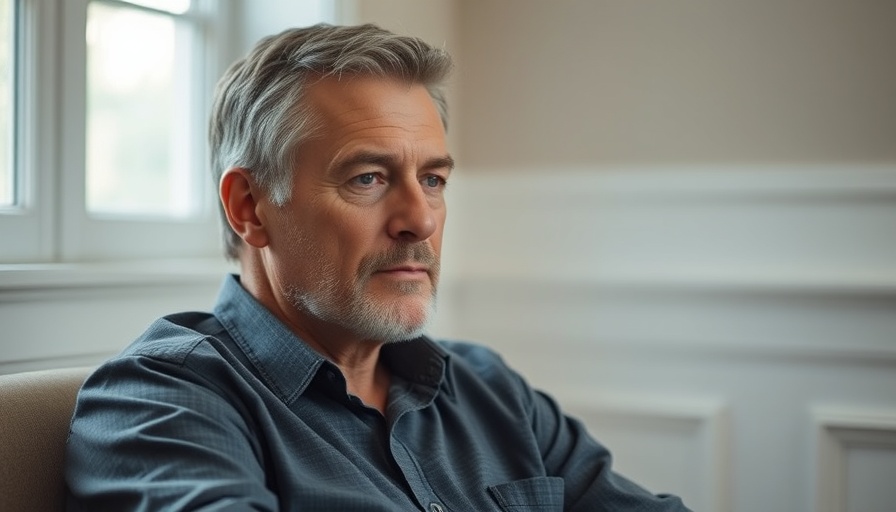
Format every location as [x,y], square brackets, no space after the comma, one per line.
[402,321]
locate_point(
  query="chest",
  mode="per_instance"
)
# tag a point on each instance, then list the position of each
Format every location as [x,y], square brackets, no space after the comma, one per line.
[332,453]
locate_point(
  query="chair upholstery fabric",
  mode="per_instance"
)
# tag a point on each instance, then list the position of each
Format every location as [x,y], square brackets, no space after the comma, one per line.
[35,413]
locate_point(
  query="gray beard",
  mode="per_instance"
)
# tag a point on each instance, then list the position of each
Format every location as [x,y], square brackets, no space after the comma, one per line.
[359,313]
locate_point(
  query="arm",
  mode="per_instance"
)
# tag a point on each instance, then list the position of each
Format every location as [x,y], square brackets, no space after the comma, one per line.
[566,449]
[154,435]
[585,465]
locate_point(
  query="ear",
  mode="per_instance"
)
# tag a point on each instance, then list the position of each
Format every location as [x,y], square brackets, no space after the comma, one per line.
[241,202]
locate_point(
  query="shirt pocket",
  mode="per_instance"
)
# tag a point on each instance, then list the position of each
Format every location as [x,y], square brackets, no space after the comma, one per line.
[537,494]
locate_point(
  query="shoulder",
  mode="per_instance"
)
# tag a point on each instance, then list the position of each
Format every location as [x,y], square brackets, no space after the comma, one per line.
[177,360]
[475,364]
[179,353]
[173,338]
[476,356]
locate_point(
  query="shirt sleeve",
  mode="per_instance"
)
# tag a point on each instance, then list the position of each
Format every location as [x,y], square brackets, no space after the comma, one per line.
[566,448]
[585,465]
[155,435]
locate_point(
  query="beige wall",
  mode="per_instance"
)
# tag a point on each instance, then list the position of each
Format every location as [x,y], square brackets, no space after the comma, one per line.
[434,21]
[698,81]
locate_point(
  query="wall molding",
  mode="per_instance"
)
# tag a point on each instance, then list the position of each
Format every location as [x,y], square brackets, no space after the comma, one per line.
[706,421]
[79,314]
[793,262]
[767,230]
[797,325]
[701,182]
[836,430]
[15,278]
[794,282]
[69,361]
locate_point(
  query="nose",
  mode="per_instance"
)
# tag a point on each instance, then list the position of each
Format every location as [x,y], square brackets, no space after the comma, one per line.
[412,216]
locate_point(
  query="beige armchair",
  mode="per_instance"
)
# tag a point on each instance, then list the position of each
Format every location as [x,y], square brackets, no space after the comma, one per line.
[35,411]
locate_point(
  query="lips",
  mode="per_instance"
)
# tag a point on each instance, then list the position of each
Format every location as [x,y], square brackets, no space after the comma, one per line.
[409,267]
[405,271]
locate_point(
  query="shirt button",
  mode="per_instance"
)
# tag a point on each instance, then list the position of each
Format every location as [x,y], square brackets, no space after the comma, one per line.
[435,507]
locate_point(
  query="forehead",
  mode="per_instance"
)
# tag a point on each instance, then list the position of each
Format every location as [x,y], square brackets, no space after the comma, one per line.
[358,105]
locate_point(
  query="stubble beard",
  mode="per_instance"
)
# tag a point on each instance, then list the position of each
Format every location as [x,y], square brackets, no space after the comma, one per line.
[356,309]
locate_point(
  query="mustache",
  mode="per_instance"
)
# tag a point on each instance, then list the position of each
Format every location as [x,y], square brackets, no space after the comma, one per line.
[418,252]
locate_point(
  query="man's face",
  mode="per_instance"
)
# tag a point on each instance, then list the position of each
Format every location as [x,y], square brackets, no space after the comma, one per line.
[356,249]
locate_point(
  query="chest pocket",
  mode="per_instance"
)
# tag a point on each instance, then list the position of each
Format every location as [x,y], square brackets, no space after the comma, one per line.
[538,494]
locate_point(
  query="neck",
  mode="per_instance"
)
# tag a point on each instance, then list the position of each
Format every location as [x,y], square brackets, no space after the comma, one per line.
[371,385]
[365,375]
[358,359]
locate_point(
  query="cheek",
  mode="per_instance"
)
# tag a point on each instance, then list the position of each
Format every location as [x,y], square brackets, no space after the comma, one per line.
[299,242]
[436,238]
[352,236]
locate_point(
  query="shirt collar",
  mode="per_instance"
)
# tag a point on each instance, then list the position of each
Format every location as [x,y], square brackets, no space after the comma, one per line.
[288,365]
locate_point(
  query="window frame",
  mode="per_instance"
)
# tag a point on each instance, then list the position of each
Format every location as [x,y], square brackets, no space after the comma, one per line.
[51,223]
[28,225]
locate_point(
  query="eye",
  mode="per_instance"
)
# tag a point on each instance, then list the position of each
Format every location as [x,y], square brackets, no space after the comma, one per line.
[365,179]
[433,181]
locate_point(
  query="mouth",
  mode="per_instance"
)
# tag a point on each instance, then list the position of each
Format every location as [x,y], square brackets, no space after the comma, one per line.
[405,269]
[402,263]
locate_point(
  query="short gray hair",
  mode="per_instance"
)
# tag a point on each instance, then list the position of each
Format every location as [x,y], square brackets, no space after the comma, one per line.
[258,115]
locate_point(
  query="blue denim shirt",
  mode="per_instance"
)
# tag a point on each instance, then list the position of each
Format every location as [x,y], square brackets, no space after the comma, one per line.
[231,411]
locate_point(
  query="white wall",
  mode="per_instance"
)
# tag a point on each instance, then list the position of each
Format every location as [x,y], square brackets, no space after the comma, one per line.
[80,314]
[731,337]
[678,218]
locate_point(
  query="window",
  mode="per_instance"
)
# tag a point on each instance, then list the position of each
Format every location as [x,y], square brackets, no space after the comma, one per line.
[7,185]
[103,112]
[103,108]
[139,158]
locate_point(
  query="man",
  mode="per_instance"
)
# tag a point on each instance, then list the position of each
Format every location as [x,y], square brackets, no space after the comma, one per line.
[311,385]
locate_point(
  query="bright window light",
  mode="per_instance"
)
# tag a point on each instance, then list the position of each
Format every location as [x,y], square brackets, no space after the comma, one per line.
[172,6]
[138,113]
[7,168]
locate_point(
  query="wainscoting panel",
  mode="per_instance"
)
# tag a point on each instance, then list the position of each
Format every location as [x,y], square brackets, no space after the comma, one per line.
[855,459]
[758,292]
[655,437]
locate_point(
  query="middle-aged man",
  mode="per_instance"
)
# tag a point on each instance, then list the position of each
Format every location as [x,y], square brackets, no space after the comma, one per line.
[311,386]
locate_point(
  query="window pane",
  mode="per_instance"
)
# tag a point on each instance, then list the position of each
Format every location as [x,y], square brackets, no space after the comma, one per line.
[138,114]
[7,170]
[172,6]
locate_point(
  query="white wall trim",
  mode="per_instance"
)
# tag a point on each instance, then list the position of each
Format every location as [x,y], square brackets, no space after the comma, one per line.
[707,421]
[835,430]
[788,261]
[772,230]
[57,315]
[17,278]
[706,182]
[801,325]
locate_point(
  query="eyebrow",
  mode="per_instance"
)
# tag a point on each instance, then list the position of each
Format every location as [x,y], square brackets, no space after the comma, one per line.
[390,161]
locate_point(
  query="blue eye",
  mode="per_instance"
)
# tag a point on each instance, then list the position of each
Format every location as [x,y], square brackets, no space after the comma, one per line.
[434,181]
[366,179]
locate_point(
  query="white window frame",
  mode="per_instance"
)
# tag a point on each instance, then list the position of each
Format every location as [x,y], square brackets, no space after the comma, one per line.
[28,227]
[52,224]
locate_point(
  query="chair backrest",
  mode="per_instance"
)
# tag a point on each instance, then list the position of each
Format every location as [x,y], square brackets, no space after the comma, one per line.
[35,412]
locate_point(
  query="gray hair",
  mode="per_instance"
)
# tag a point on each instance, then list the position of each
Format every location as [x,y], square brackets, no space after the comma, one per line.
[259,118]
